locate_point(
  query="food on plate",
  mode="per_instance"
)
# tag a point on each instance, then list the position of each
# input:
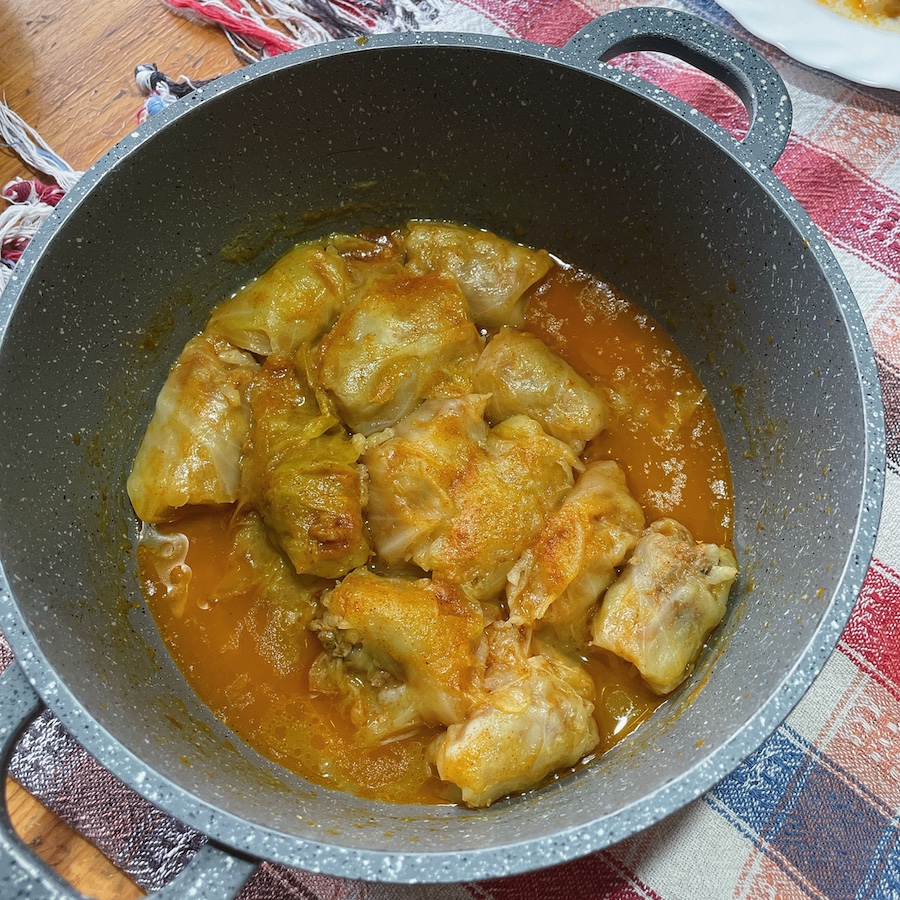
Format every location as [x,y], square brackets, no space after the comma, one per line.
[890,8]
[881,13]
[418,511]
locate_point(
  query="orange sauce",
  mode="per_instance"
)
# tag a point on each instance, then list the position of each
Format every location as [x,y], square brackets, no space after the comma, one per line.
[220,644]
[663,431]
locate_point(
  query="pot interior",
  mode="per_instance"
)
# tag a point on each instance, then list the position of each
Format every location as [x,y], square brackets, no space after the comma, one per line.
[517,142]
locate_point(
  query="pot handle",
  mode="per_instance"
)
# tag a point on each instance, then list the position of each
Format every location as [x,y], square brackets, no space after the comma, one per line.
[214,872]
[708,48]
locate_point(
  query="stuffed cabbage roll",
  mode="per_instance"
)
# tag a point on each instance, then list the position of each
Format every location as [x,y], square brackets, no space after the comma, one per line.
[191,451]
[257,567]
[660,611]
[419,470]
[301,472]
[524,376]
[492,272]
[292,303]
[380,706]
[461,500]
[409,337]
[526,474]
[283,602]
[537,717]
[574,558]
[416,640]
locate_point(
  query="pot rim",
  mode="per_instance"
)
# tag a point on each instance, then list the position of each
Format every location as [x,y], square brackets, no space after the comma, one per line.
[565,844]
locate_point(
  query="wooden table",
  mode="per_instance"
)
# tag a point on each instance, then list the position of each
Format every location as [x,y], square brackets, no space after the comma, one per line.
[67,68]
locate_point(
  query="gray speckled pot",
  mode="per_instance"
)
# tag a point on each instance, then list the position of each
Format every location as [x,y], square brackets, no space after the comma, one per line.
[547,146]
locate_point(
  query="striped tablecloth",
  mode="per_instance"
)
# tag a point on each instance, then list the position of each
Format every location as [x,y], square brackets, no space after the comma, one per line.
[814,813]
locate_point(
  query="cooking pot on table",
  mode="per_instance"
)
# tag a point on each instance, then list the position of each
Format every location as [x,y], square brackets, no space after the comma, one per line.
[549,147]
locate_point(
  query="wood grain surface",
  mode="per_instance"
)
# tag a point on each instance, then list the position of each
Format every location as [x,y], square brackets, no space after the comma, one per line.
[61,847]
[67,68]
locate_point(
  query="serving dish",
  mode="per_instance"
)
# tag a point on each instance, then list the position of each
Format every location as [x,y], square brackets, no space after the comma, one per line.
[552,147]
[814,34]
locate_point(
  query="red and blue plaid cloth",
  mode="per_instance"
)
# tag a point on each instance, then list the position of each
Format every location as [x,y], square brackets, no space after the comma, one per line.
[814,813]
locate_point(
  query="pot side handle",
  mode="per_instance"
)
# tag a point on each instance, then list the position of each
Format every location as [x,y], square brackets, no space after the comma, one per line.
[214,872]
[708,48]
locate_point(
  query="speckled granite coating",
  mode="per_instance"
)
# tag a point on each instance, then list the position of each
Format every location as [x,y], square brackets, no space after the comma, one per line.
[544,145]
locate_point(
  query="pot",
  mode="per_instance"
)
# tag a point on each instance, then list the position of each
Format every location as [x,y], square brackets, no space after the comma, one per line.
[548,146]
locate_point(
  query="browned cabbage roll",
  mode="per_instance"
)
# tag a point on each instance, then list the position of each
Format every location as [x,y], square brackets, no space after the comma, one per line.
[409,337]
[459,499]
[418,469]
[492,272]
[573,560]
[191,451]
[536,717]
[403,651]
[528,472]
[524,376]
[662,608]
[291,304]
[301,473]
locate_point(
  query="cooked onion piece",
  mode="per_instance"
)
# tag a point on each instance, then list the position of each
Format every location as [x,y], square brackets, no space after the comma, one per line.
[670,597]
[523,375]
[291,304]
[191,451]
[408,338]
[574,559]
[494,274]
[301,473]
[167,553]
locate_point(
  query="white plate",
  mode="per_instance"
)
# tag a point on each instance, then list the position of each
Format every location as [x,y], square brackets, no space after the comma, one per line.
[813,34]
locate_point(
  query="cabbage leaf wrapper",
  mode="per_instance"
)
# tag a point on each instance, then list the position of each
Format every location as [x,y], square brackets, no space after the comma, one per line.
[459,499]
[284,602]
[417,470]
[574,559]
[408,338]
[402,651]
[671,595]
[536,717]
[523,375]
[191,450]
[301,473]
[494,274]
[291,304]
